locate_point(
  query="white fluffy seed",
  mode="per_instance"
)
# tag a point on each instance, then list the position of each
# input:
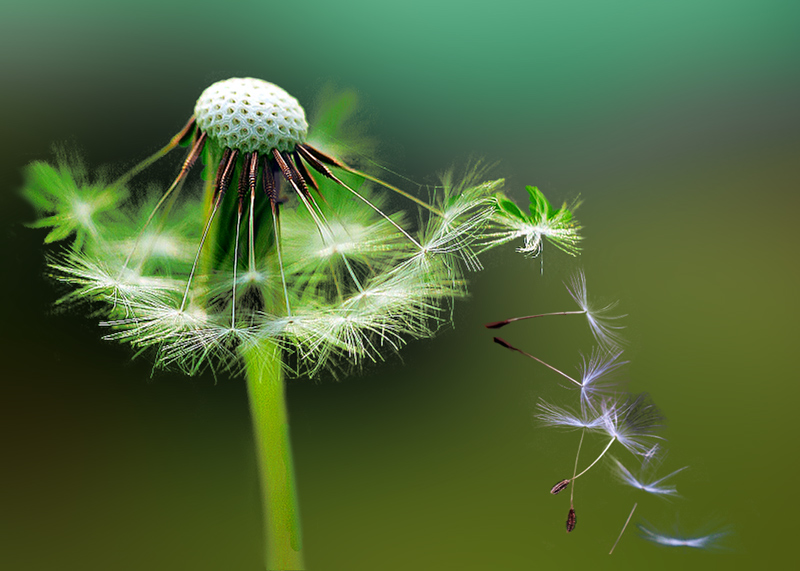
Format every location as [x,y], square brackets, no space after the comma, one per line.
[251,115]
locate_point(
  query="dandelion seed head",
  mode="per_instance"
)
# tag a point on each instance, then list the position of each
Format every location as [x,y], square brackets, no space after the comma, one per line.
[288,246]
[250,114]
[398,298]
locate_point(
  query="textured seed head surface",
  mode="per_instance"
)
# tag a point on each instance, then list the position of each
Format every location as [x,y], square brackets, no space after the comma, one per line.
[251,115]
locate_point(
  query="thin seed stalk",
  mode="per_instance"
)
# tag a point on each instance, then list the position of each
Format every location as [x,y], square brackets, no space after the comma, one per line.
[212,155]
[265,388]
[596,460]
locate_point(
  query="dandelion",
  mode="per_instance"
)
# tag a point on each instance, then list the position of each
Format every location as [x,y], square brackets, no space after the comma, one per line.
[320,277]
[708,541]
[288,263]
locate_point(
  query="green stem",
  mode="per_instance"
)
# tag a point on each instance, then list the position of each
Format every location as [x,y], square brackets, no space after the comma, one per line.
[265,387]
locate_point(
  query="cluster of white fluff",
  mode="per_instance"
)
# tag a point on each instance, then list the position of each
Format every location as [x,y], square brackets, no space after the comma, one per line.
[357,288]
[333,276]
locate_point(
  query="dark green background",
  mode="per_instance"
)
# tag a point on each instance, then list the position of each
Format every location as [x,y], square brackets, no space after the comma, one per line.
[676,122]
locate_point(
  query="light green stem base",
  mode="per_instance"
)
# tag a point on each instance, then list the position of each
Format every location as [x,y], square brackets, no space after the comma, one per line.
[265,388]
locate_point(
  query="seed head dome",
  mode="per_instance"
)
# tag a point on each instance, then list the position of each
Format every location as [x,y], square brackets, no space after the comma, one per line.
[251,115]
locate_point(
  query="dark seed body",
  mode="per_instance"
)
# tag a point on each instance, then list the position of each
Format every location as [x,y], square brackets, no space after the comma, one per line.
[571,520]
[559,487]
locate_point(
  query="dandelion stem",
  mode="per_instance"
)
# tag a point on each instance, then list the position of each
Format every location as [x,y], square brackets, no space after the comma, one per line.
[596,460]
[624,527]
[265,388]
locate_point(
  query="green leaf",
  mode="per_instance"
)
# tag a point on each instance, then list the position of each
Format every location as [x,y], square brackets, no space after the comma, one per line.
[510,208]
[57,234]
[540,207]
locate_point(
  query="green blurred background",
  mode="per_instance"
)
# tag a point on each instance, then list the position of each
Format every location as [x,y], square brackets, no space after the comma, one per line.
[676,123]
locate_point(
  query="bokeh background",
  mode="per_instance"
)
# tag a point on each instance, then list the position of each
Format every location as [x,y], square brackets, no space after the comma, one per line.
[675,122]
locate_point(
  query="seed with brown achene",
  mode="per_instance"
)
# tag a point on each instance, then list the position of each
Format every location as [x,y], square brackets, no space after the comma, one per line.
[571,520]
[559,487]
